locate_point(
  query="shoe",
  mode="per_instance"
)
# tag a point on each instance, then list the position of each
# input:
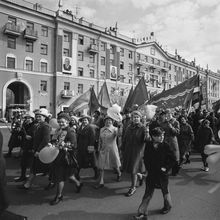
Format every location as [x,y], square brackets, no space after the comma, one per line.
[140,217]
[206,169]
[118,178]
[165,210]
[20,179]
[99,186]
[78,188]
[56,200]
[49,186]
[131,191]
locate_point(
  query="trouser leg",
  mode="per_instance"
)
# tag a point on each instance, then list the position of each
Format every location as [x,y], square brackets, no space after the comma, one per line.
[143,208]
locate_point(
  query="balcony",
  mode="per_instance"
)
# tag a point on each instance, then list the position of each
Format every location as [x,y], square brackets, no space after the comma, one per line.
[30,34]
[142,62]
[12,29]
[93,49]
[67,94]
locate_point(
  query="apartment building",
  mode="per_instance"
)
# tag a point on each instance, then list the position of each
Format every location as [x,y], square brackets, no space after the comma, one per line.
[50,58]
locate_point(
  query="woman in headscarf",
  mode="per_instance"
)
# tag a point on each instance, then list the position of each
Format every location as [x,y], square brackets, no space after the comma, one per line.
[133,145]
[65,139]
[108,151]
[185,139]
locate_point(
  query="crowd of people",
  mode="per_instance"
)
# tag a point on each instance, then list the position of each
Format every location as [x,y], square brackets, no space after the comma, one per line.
[128,142]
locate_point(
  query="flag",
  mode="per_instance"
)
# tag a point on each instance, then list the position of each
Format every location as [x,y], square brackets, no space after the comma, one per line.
[128,99]
[140,94]
[103,97]
[178,95]
[81,102]
[93,102]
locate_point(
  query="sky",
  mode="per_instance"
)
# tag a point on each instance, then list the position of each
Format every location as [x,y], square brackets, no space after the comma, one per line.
[190,26]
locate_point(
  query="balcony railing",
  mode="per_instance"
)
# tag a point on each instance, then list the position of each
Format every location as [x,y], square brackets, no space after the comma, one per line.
[152,65]
[30,34]
[67,94]
[12,29]
[93,48]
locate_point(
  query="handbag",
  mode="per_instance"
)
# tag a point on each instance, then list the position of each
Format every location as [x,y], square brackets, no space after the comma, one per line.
[70,159]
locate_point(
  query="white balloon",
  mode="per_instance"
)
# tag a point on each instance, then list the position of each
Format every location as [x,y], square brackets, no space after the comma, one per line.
[48,154]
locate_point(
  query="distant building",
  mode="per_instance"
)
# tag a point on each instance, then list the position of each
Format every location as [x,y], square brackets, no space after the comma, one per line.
[49,58]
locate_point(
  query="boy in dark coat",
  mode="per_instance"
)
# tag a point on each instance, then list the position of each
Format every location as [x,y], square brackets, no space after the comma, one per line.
[158,159]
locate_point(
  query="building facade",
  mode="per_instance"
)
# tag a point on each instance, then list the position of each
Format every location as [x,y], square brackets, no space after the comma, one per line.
[50,58]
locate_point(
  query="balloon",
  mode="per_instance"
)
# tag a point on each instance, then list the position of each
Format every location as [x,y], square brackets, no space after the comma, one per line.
[211,148]
[48,154]
[148,111]
[213,158]
[53,123]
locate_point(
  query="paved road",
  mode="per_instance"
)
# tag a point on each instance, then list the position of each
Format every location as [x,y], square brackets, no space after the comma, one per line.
[195,194]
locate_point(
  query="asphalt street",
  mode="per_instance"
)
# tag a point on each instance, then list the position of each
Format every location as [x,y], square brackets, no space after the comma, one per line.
[195,195]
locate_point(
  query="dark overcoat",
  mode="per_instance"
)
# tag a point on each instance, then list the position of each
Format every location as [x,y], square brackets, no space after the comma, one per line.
[86,137]
[40,140]
[3,197]
[61,170]
[133,144]
[154,160]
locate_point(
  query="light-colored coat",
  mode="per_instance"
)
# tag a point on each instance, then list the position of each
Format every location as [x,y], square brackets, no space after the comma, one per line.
[108,151]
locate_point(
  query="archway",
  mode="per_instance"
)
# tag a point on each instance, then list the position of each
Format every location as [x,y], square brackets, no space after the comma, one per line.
[17,94]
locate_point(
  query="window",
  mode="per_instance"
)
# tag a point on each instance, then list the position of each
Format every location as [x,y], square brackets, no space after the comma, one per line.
[80,39]
[43,67]
[43,85]
[121,65]
[12,20]
[122,52]
[43,49]
[80,55]
[29,46]
[66,52]
[11,62]
[111,49]
[122,78]
[66,37]
[170,86]
[152,51]
[44,31]
[11,42]
[146,58]
[80,88]
[66,86]
[138,56]
[102,75]
[122,92]
[170,77]
[92,41]
[92,73]
[92,58]
[103,46]
[130,54]
[103,61]
[111,61]
[29,65]
[130,67]
[80,71]
[30,25]
[152,60]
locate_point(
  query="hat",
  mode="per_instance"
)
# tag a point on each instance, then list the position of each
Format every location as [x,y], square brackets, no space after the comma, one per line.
[108,117]
[48,154]
[136,112]
[114,112]
[43,111]
[29,114]
[64,115]
[85,116]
